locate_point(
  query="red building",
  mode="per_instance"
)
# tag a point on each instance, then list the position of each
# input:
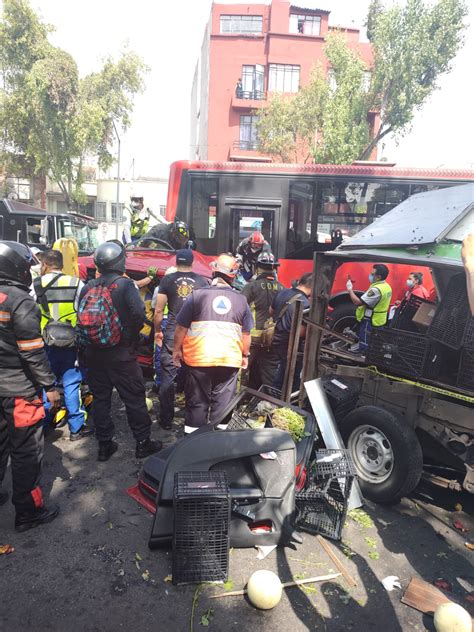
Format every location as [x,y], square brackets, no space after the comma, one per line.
[270,48]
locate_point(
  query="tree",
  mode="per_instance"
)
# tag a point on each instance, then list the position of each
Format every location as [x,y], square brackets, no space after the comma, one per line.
[53,120]
[330,119]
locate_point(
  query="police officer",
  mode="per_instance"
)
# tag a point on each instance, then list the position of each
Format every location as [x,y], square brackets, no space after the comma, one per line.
[24,373]
[58,297]
[373,305]
[213,338]
[248,250]
[176,234]
[116,366]
[260,293]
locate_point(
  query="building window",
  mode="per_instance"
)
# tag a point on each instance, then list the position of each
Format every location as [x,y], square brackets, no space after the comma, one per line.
[113,212]
[248,138]
[101,211]
[162,211]
[283,78]
[252,82]
[305,24]
[19,189]
[246,24]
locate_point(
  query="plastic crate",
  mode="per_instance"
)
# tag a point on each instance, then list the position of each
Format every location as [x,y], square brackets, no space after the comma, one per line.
[452,318]
[343,394]
[201,505]
[469,333]
[466,369]
[403,318]
[321,507]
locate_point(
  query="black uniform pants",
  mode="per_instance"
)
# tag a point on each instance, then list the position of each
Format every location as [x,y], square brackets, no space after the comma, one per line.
[21,438]
[263,365]
[208,392]
[169,372]
[127,378]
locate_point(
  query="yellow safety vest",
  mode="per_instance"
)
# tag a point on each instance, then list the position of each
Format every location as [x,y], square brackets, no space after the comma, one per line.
[60,298]
[380,311]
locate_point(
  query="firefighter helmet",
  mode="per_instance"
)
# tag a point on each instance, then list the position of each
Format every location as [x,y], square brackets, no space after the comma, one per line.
[225,264]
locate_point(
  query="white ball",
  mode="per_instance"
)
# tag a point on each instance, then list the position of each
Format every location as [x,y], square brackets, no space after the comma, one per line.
[264,589]
[450,617]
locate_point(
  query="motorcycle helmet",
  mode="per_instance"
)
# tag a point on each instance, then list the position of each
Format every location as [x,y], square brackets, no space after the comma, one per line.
[15,262]
[110,257]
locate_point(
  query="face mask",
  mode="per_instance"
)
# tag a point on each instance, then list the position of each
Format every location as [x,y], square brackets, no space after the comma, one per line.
[410,283]
[371,278]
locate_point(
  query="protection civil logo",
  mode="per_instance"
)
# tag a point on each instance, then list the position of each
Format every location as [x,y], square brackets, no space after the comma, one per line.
[221,305]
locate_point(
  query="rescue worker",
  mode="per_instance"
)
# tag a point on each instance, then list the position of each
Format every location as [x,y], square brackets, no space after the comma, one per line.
[176,234]
[212,337]
[467,254]
[373,305]
[25,371]
[174,290]
[57,295]
[139,219]
[248,250]
[282,310]
[116,366]
[416,287]
[260,292]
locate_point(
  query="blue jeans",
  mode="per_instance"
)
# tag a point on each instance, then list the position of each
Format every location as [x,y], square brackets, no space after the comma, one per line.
[364,333]
[63,365]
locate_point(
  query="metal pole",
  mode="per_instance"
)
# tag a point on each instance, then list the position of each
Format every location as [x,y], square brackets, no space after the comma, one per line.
[293,344]
[118,185]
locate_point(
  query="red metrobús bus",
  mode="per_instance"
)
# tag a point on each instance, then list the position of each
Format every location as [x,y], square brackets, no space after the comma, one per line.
[299,209]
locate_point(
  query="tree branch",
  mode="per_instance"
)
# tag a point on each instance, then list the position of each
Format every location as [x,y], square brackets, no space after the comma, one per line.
[374,142]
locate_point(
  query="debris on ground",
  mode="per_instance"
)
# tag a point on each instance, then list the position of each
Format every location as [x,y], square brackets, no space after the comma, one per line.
[362,518]
[391,582]
[459,526]
[5,549]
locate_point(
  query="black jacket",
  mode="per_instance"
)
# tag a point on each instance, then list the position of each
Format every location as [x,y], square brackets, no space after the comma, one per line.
[24,366]
[131,311]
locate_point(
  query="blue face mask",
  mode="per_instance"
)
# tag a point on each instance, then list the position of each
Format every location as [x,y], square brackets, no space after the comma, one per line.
[410,283]
[371,278]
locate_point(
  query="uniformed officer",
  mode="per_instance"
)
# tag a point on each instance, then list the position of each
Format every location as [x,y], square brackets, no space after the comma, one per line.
[373,305]
[260,292]
[58,296]
[249,250]
[212,337]
[25,372]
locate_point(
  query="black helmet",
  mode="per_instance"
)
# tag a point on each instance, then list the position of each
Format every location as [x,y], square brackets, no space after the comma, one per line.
[267,260]
[110,257]
[180,232]
[15,262]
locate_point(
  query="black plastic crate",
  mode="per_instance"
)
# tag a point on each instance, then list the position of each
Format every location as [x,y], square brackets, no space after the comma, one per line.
[342,394]
[466,369]
[469,333]
[321,507]
[452,318]
[403,318]
[403,352]
[201,505]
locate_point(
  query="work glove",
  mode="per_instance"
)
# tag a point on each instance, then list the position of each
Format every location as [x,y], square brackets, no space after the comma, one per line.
[349,285]
[152,272]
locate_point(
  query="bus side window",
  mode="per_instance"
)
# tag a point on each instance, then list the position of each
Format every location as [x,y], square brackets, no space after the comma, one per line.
[300,214]
[204,208]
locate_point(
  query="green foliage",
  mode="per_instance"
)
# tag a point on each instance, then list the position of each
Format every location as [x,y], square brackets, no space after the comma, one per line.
[52,120]
[329,119]
[289,420]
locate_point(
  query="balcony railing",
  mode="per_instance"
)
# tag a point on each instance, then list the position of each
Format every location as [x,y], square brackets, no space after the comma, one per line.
[253,95]
[245,145]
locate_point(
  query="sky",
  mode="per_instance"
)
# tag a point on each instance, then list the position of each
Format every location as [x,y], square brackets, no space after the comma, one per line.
[168,35]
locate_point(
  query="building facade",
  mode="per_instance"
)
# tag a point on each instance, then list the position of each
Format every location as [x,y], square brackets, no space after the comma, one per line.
[250,51]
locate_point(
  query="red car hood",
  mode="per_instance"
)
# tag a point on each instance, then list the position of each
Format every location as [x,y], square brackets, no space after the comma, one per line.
[138,262]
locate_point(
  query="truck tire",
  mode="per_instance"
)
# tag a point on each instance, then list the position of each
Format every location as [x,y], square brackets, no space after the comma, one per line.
[386,453]
[342,316]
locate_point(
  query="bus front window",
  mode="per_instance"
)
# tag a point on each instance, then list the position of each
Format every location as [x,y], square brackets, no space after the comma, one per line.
[86,236]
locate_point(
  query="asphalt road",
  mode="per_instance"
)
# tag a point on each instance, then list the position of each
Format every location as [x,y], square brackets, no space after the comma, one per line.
[91,570]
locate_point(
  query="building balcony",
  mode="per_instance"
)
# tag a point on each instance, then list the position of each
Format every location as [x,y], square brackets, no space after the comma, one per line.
[245,100]
[247,151]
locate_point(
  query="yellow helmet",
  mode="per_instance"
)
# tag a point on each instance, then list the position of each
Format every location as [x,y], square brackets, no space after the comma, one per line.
[225,264]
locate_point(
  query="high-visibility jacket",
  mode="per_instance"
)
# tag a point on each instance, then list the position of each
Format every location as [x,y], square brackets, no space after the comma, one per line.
[60,297]
[219,317]
[379,314]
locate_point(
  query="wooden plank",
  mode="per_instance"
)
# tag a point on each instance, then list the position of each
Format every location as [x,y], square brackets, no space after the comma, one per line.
[340,566]
[426,598]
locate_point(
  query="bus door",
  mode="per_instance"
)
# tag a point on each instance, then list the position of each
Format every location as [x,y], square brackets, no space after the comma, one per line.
[245,220]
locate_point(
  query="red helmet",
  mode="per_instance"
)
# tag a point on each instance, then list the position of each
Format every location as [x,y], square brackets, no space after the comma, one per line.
[257,239]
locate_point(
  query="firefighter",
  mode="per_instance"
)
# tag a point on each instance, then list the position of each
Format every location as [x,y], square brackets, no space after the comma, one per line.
[212,337]
[176,235]
[112,363]
[25,372]
[373,305]
[260,292]
[58,296]
[248,251]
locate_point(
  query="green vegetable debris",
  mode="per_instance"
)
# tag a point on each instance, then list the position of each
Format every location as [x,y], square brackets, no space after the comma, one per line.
[289,420]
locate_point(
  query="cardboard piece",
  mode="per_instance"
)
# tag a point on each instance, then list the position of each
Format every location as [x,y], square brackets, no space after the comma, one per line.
[425,314]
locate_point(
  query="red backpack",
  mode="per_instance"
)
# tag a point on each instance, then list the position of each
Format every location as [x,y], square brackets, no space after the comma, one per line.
[98,322]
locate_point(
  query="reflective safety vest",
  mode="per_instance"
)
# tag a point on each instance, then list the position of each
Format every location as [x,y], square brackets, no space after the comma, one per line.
[214,337]
[379,313]
[60,297]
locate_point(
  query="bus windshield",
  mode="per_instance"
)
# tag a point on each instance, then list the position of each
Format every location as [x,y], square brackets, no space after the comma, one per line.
[86,236]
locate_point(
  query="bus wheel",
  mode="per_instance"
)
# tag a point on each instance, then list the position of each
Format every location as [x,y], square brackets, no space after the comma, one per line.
[342,316]
[386,453]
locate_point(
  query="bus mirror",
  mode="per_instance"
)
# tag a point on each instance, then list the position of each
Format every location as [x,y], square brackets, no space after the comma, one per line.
[44,231]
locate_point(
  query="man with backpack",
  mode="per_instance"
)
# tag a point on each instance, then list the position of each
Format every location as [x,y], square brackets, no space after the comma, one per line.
[110,317]
[57,295]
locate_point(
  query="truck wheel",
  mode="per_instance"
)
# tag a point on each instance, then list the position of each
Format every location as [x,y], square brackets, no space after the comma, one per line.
[342,316]
[386,453]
